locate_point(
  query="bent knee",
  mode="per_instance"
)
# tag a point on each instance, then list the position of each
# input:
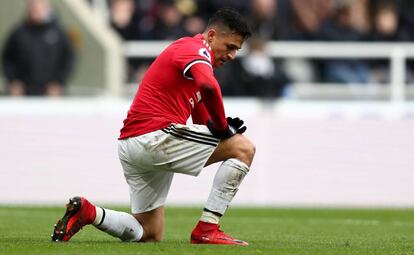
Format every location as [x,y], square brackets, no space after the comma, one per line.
[251,149]
[248,149]
[152,237]
[245,150]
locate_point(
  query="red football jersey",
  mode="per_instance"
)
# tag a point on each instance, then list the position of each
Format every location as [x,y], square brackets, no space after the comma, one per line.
[167,93]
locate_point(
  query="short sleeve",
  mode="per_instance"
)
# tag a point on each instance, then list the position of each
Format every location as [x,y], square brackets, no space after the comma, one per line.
[189,54]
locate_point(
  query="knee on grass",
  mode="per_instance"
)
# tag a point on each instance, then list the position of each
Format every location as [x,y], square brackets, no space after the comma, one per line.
[152,237]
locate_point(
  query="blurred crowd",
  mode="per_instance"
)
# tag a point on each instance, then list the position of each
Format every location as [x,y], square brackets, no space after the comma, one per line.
[287,20]
[258,74]
[343,20]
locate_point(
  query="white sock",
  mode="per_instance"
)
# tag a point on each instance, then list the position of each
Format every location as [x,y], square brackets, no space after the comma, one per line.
[225,186]
[99,215]
[118,224]
[210,217]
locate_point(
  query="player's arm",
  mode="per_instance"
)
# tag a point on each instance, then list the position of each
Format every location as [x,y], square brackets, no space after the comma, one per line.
[211,95]
[211,110]
[200,114]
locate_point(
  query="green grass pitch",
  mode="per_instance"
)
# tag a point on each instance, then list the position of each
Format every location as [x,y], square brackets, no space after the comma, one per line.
[26,230]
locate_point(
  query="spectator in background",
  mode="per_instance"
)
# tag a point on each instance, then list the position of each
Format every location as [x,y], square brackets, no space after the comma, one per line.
[212,5]
[37,57]
[124,19]
[298,20]
[193,25]
[192,10]
[406,19]
[304,18]
[350,23]
[169,22]
[385,21]
[385,27]
[258,75]
[263,18]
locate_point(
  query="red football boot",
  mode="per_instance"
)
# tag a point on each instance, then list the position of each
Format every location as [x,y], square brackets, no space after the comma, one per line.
[79,212]
[209,233]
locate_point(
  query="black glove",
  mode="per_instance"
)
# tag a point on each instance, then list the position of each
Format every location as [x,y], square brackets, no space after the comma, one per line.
[234,126]
[237,124]
[221,134]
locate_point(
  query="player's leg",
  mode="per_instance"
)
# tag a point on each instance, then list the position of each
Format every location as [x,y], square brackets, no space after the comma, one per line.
[153,224]
[149,163]
[119,224]
[237,155]
[237,147]
[146,226]
[80,212]
[196,148]
[148,191]
[127,227]
[148,183]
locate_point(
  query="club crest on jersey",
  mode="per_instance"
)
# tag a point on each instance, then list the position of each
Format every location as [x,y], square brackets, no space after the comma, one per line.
[204,52]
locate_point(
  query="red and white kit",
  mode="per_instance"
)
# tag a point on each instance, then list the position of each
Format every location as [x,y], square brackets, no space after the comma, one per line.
[155,141]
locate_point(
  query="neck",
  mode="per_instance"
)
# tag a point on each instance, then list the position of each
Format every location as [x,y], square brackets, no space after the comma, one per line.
[205,36]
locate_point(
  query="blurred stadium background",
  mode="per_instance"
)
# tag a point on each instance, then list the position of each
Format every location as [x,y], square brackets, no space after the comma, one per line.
[325,87]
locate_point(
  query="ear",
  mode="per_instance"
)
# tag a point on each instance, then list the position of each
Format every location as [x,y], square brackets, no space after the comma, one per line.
[211,34]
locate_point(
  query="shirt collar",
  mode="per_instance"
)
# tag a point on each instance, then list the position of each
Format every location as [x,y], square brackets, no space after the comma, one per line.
[200,36]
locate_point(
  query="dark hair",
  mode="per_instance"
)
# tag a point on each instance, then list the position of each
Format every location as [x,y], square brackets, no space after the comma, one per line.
[231,19]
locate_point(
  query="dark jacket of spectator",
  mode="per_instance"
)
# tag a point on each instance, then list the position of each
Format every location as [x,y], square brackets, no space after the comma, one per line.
[37,55]
[342,28]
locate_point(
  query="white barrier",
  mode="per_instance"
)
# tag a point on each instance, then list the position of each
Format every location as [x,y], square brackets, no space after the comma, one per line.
[397,53]
[308,154]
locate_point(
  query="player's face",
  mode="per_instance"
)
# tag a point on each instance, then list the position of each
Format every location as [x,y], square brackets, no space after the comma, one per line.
[224,46]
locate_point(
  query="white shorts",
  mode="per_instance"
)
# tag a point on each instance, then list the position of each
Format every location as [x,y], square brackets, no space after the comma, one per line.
[150,161]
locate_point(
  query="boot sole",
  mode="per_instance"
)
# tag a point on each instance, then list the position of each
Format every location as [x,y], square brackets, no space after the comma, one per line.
[223,242]
[60,227]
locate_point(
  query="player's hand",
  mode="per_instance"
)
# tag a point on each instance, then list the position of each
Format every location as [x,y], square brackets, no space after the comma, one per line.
[221,134]
[234,126]
[237,124]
